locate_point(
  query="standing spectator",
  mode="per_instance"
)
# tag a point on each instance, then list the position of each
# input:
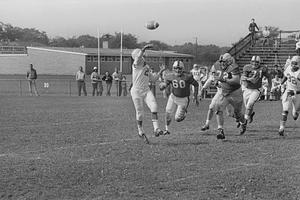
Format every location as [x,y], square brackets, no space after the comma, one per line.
[252,27]
[152,83]
[265,88]
[117,78]
[298,47]
[167,90]
[95,82]
[275,89]
[31,77]
[266,36]
[80,78]
[108,80]
[124,86]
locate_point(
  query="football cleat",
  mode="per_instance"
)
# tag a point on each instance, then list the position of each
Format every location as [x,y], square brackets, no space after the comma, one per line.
[205,127]
[221,134]
[166,132]
[251,117]
[295,116]
[281,132]
[144,138]
[158,132]
[243,128]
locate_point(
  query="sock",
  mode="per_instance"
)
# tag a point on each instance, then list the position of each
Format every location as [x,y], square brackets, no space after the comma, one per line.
[207,122]
[155,124]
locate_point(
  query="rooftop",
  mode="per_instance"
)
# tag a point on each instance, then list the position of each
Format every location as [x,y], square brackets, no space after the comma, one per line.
[110,52]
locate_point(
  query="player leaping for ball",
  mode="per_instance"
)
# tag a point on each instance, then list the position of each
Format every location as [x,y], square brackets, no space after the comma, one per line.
[291,95]
[140,91]
[252,76]
[180,92]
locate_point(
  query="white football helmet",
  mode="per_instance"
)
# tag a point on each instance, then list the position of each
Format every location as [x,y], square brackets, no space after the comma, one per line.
[295,61]
[226,60]
[178,67]
[256,61]
[196,66]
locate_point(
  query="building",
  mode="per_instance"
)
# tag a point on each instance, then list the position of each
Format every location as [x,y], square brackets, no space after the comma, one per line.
[66,61]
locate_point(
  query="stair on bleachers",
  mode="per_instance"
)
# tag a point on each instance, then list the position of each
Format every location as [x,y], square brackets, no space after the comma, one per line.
[269,54]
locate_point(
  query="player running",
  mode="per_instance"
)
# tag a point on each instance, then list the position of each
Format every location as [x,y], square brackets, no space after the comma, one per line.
[140,91]
[180,92]
[291,95]
[252,76]
[227,78]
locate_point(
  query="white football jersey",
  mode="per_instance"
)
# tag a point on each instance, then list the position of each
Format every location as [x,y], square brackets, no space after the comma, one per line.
[293,79]
[197,74]
[141,76]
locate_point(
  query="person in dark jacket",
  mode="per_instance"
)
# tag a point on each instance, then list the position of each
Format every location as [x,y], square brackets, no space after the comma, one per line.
[108,80]
[31,76]
[252,29]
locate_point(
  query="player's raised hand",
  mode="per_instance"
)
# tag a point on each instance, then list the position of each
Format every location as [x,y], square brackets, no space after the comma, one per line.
[147,46]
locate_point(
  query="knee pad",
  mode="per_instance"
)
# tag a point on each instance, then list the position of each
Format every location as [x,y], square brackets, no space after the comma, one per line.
[284,115]
[139,115]
[154,115]
[180,115]
[168,117]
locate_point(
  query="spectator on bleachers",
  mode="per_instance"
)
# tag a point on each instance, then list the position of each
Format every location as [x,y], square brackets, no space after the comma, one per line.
[80,78]
[108,80]
[31,76]
[266,36]
[298,47]
[252,29]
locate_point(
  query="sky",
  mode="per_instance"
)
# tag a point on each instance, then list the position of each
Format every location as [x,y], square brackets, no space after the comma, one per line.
[219,22]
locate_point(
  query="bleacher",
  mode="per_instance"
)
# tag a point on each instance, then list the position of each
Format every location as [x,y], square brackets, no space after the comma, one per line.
[276,51]
[13,50]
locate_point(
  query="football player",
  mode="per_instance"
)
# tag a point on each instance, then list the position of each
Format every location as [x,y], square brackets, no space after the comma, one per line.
[227,77]
[252,76]
[140,91]
[211,81]
[180,93]
[291,95]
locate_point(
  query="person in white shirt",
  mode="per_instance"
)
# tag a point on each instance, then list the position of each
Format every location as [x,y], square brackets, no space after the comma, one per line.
[266,36]
[140,91]
[200,75]
[80,78]
[95,79]
[291,95]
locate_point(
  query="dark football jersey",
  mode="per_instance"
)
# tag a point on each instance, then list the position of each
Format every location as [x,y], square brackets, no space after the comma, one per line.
[231,70]
[181,84]
[257,74]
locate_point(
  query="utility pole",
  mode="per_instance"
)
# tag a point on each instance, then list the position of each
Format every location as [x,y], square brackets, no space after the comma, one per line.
[196,48]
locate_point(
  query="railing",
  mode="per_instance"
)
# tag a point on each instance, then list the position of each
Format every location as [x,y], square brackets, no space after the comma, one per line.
[13,50]
[238,48]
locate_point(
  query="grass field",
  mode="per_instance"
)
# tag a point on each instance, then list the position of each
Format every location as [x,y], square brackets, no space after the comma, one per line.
[87,148]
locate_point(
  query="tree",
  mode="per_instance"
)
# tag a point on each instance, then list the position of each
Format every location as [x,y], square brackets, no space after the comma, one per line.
[129,41]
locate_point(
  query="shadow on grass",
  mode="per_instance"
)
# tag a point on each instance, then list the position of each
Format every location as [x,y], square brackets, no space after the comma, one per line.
[179,143]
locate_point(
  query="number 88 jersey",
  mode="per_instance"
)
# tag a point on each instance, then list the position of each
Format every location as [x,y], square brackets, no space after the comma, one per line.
[293,79]
[181,83]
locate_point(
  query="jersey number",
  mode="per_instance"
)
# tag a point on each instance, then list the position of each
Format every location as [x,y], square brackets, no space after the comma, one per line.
[180,83]
[292,79]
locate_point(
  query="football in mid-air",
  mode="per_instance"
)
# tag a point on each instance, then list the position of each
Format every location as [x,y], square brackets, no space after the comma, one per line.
[152,25]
